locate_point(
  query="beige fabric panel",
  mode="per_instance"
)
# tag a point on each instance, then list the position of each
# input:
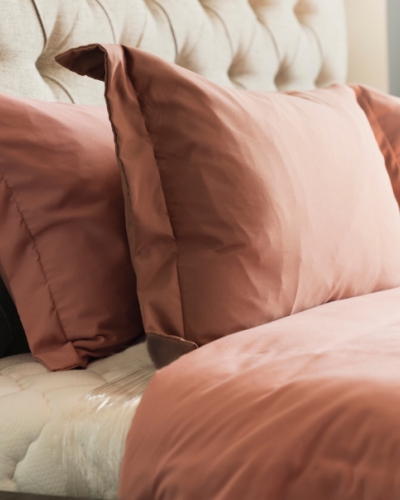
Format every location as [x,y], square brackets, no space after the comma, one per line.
[252,44]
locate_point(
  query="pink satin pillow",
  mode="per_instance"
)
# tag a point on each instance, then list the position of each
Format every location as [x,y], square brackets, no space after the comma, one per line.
[64,254]
[243,207]
[383,113]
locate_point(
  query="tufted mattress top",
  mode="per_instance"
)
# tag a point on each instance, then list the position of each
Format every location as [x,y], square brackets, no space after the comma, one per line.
[55,425]
[253,44]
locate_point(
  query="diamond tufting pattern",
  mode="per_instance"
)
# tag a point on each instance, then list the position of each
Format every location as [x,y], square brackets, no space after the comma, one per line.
[251,44]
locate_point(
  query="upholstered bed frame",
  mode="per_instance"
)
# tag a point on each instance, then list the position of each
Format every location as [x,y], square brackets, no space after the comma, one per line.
[251,44]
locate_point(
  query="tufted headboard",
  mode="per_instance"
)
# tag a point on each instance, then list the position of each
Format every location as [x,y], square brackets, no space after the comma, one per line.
[252,44]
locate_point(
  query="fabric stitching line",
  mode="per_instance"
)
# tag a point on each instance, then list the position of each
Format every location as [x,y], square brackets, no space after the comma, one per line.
[41,22]
[305,25]
[244,56]
[15,363]
[38,256]
[115,132]
[319,44]
[271,34]
[221,20]
[188,50]
[170,26]
[60,84]
[291,63]
[17,381]
[320,50]
[100,3]
[38,436]
[141,36]
[166,206]
[387,143]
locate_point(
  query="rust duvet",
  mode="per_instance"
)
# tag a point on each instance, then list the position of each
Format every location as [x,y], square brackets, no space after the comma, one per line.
[304,408]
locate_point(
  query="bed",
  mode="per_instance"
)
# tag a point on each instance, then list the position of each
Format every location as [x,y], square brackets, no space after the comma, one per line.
[78,432]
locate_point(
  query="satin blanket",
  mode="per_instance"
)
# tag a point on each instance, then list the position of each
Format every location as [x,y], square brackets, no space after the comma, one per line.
[304,408]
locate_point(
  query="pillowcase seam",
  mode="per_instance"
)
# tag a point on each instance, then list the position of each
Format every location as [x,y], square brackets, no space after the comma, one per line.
[158,170]
[376,122]
[13,198]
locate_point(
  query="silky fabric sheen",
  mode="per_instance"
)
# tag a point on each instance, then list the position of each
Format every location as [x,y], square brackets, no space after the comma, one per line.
[383,113]
[304,408]
[64,254]
[243,207]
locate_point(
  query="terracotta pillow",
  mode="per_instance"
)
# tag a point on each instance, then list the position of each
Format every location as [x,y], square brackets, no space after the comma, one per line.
[244,207]
[64,254]
[383,113]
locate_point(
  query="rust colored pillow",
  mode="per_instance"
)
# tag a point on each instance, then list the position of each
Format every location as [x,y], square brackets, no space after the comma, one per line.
[383,113]
[64,254]
[244,207]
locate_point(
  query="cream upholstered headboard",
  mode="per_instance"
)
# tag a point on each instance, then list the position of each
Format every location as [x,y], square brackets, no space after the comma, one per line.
[252,44]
